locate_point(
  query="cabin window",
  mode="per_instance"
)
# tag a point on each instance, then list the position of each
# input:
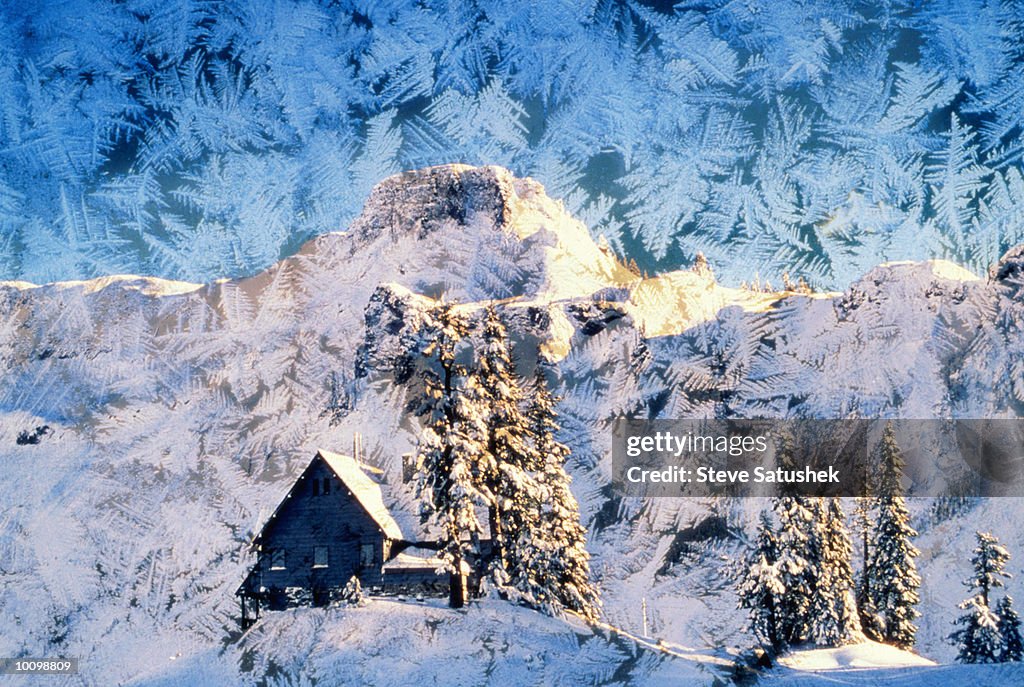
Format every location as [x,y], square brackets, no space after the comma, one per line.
[277,559]
[327,485]
[319,556]
[366,555]
[316,487]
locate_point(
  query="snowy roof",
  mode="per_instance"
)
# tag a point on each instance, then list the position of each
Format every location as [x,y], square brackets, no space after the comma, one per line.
[365,490]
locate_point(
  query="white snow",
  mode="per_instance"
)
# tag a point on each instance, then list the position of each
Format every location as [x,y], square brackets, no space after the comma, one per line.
[388,642]
[864,655]
[365,490]
[943,269]
[150,286]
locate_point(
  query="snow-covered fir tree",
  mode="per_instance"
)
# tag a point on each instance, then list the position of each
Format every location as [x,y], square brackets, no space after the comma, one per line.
[450,446]
[989,561]
[503,471]
[761,589]
[798,552]
[870,621]
[833,614]
[548,563]
[814,564]
[890,578]
[1012,647]
[797,563]
[352,592]
[480,449]
[978,640]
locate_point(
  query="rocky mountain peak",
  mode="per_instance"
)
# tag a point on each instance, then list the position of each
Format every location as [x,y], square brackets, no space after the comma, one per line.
[470,233]
[1010,267]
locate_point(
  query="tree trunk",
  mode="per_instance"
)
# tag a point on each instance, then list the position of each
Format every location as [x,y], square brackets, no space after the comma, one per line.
[457,588]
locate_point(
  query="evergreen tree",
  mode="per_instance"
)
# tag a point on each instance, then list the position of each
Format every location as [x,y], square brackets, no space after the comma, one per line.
[979,640]
[814,565]
[871,621]
[761,589]
[798,551]
[1012,648]
[480,449]
[503,473]
[548,563]
[797,560]
[890,573]
[833,614]
[989,563]
[352,592]
[450,446]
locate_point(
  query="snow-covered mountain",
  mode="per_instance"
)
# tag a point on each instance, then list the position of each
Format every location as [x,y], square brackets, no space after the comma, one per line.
[149,427]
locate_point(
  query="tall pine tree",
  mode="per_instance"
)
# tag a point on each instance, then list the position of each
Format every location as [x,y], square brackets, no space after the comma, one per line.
[890,573]
[548,563]
[833,614]
[814,564]
[798,552]
[798,557]
[870,620]
[979,640]
[761,589]
[451,446]
[504,471]
[479,448]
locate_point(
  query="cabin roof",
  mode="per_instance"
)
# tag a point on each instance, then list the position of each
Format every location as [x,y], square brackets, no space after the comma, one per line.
[365,490]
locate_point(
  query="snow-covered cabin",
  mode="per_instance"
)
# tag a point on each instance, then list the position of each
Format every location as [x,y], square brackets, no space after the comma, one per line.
[333,525]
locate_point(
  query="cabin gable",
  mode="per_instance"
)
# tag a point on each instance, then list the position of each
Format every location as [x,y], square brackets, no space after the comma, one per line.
[320,536]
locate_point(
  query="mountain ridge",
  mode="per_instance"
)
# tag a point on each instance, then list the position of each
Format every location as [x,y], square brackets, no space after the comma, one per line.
[555,251]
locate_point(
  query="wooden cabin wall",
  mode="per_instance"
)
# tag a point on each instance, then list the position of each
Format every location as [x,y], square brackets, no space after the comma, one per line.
[307,520]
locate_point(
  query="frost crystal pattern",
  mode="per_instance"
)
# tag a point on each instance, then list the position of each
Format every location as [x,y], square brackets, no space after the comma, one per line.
[195,140]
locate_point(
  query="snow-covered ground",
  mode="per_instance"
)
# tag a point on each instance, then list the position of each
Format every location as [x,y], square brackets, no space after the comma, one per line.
[176,415]
[874,664]
[863,655]
[389,642]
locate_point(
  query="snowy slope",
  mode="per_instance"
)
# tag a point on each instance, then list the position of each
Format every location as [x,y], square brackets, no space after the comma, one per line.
[973,675]
[864,655]
[877,664]
[176,414]
[390,642]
